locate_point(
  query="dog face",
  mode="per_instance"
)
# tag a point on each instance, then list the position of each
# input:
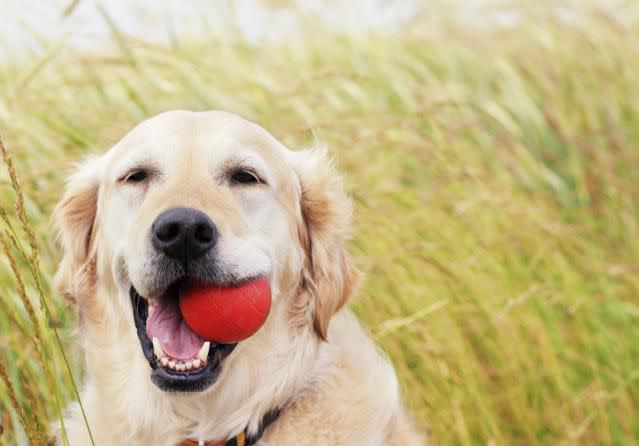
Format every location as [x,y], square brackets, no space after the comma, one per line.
[201,197]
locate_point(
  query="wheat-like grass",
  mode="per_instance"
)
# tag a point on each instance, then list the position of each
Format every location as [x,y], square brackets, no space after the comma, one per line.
[34,434]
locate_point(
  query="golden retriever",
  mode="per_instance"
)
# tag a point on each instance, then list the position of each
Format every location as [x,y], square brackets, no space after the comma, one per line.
[309,376]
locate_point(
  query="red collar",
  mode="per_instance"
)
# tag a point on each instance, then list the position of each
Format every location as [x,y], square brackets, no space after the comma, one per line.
[243,438]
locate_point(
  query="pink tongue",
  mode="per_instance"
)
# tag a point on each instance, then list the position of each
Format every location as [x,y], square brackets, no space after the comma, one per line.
[166,323]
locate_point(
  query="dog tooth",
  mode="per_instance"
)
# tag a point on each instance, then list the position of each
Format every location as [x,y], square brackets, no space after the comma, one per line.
[180,367]
[172,364]
[197,363]
[157,348]
[164,361]
[204,351]
[189,365]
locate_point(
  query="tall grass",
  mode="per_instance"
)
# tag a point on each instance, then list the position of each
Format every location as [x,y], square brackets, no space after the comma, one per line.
[496,178]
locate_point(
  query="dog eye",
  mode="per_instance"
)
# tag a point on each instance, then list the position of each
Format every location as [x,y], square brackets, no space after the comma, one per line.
[137,176]
[245,177]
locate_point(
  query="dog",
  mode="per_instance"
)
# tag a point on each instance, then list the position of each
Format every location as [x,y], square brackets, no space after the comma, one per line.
[309,376]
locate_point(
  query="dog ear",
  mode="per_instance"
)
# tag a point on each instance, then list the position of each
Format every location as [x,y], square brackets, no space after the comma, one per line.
[329,275]
[74,220]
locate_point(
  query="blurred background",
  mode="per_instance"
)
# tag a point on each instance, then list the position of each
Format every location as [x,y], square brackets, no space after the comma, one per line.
[491,148]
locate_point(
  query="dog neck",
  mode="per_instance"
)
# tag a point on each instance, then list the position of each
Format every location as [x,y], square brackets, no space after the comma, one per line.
[243,438]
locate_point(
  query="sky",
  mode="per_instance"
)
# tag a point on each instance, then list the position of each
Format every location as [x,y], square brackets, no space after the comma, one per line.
[26,24]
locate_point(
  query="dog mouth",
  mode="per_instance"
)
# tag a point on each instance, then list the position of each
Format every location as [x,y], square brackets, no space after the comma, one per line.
[180,359]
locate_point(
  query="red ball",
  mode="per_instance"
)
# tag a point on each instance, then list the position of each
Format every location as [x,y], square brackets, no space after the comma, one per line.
[226,315]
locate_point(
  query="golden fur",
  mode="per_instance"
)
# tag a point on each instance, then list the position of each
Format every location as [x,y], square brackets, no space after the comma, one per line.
[311,356]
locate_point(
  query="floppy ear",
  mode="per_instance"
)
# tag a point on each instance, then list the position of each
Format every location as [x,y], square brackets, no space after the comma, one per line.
[74,220]
[329,275]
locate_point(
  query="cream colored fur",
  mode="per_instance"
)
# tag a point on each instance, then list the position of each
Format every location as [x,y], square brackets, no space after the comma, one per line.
[311,357]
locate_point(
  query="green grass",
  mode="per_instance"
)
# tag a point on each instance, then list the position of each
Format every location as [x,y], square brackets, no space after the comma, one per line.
[496,179]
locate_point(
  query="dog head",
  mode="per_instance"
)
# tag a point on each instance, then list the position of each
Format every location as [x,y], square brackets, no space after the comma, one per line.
[205,197]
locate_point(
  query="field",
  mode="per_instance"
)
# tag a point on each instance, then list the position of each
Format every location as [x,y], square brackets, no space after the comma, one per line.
[495,173]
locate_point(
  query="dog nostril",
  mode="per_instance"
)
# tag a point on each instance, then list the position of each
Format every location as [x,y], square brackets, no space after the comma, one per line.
[203,233]
[168,232]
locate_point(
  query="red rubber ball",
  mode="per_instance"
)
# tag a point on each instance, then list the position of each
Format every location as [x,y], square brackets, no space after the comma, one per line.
[225,315]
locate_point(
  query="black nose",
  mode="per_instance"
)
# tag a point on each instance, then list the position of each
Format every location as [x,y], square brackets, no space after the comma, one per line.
[183,233]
